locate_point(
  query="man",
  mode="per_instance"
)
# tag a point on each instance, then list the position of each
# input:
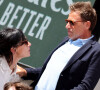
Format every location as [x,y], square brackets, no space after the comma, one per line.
[75,63]
[96,30]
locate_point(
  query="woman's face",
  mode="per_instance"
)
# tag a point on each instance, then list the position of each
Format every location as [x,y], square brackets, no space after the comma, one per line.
[23,50]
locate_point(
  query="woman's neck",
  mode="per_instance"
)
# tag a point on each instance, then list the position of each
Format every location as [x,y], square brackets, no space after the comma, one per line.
[14,63]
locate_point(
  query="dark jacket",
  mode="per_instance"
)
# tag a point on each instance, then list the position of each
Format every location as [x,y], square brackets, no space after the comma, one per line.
[82,71]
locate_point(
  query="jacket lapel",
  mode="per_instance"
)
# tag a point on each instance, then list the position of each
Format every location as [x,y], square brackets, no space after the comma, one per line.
[62,43]
[80,52]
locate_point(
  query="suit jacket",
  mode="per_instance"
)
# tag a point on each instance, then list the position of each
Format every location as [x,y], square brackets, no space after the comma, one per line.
[82,72]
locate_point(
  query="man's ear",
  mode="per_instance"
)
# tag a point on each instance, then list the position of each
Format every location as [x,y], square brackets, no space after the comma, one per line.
[13,50]
[88,25]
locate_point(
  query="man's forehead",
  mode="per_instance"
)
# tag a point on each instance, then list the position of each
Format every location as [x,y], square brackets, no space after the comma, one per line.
[74,15]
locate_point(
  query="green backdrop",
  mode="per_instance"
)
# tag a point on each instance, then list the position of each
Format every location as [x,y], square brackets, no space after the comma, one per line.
[42,21]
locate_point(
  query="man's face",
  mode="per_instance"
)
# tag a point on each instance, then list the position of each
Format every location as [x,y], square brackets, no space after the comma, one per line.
[76,27]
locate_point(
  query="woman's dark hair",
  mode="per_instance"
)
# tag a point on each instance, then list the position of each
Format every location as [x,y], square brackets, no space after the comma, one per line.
[9,38]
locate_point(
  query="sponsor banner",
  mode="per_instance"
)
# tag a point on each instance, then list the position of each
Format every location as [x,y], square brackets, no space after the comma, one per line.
[42,21]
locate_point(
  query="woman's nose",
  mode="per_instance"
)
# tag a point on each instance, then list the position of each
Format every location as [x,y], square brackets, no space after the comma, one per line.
[29,44]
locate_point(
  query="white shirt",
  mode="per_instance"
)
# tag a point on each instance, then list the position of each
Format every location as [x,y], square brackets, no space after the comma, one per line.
[6,74]
[57,62]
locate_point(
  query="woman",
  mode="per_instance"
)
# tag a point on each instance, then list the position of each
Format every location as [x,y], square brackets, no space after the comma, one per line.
[13,47]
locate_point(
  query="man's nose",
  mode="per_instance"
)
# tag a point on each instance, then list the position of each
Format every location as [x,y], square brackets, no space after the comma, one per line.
[67,25]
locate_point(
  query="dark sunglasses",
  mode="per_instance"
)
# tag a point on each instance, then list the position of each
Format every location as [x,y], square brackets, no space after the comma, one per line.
[71,22]
[23,42]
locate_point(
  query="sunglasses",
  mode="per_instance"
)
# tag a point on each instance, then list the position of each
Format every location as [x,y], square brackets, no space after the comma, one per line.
[71,22]
[23,42]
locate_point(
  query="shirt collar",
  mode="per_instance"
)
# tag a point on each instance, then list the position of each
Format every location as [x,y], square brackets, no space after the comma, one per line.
[80,41]
[4,65]
[86,40]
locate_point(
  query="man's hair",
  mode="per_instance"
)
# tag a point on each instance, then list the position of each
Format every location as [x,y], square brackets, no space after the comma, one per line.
[17,86]
[87,12]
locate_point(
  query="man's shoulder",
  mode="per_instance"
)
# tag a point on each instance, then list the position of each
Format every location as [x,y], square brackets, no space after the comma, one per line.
[96,46]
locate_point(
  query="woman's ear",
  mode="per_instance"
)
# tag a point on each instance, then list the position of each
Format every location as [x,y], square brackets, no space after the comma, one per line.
[13,50]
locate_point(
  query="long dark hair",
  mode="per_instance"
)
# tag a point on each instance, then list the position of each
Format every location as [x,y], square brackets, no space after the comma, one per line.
[9,38]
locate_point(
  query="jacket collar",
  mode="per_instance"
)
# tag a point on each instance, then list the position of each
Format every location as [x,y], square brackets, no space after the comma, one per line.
[81,51]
